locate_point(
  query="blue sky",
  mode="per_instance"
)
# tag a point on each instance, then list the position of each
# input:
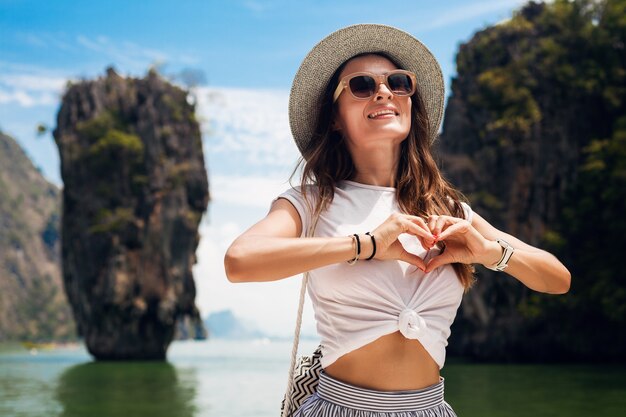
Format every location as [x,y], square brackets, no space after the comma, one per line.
[238,43]
[248,52]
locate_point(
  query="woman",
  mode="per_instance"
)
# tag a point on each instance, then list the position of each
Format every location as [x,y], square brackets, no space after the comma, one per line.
[393,244]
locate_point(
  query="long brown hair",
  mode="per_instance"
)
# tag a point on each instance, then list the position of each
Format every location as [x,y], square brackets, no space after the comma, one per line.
[421,190]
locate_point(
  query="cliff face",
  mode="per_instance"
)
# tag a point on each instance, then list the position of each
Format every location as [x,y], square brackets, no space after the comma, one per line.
[537,116]
[135,189]
[32,303]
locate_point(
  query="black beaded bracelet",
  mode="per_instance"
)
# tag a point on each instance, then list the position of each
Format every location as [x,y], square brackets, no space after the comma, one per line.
[373,245]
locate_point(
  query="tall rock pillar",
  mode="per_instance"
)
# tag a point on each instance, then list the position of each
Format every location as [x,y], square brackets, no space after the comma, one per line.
[135,190]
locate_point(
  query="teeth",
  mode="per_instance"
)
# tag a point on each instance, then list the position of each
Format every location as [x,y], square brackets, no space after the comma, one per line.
[380,113]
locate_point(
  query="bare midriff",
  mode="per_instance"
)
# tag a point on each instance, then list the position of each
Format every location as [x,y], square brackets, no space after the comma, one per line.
[390,363]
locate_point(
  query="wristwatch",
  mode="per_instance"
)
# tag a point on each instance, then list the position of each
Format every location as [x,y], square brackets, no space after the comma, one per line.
[507,252]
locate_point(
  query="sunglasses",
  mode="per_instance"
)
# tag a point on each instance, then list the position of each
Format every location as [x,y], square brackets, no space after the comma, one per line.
[364,85]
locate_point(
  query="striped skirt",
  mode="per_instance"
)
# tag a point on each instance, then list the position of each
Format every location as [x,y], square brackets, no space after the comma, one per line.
[338,399]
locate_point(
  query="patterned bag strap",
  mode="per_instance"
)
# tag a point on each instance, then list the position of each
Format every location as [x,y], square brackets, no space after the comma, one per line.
[296,335]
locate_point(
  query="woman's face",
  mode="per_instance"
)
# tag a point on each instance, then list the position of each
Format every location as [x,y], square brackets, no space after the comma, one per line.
[383,119]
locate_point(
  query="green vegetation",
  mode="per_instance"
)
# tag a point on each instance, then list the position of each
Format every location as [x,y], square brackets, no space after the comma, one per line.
[116,140]
[32,304]
[98,126]
[511,102]
[487,200]
[592,228]
[116,220]
[42,129]
[45,315]
[174,109]
[592,232]
[177,174]
[116,155]
[110,138]
[558,71]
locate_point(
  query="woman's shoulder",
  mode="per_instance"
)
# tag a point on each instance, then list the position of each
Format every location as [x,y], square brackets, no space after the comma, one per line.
[467,209]
[303,198]
[300,191]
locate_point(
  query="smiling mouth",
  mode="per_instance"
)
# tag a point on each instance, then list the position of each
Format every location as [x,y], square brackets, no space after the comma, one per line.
[381,113]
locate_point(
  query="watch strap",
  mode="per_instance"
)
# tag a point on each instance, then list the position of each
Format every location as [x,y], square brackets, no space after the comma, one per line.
[507,252]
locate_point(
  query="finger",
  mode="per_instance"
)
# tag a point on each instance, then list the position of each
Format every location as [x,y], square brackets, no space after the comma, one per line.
[419,221]
[432,219]
[429,242]
[439,223]
[426,241]
[418,231]
[413,260]
[439,260]
[426,244]
[422,224]
[453,229]
[451,219]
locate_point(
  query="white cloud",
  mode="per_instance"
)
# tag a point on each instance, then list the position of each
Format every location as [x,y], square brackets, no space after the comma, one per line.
[271,306]
[29,86]
[124,53]
[470,11]
[34,82]
[253,191]
[45,40]
[27,98]
[249,124]
[256,6]
[248,145]
[32,39]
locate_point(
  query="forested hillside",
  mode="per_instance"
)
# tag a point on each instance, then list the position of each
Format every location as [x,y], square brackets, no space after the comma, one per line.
[33,305]
[535,136]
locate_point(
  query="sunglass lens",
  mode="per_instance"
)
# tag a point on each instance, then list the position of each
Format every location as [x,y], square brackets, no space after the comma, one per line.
[400,84]
[362,86]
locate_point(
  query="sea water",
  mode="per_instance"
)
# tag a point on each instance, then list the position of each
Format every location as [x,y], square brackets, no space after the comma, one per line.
[226,378]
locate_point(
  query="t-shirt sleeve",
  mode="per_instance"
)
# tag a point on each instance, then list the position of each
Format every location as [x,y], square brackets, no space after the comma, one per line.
[301,204]
[467,211]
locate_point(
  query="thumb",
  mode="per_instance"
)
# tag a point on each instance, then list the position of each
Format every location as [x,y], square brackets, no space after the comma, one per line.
[439,260]
[413,260]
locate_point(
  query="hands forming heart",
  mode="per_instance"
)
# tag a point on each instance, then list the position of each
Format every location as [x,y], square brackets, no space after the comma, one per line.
[460,242]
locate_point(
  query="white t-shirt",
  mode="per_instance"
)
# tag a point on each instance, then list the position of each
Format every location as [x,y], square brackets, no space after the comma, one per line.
[355,305]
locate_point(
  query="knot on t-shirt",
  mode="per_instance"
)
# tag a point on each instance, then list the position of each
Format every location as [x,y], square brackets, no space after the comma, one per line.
[411,324]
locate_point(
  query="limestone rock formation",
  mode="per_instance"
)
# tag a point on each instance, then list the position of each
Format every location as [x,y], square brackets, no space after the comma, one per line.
[135,190]
[536,116]
[33,306]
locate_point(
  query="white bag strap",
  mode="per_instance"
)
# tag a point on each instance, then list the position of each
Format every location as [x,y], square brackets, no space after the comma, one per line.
[296,335]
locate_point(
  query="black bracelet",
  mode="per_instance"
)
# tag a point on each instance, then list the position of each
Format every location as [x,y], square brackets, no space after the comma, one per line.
[358,246]
[373,244]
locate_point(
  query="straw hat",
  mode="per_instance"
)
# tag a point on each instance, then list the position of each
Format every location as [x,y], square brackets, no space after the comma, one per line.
[319,65]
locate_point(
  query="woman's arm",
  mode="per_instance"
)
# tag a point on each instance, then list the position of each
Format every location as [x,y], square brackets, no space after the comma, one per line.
[272,249]
[537,269]
[475,243]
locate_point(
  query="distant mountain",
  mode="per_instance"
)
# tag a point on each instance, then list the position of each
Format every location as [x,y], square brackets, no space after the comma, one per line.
[33,305]
[224,324]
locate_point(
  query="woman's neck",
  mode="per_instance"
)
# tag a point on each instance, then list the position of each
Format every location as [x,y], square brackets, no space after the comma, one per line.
[377,167]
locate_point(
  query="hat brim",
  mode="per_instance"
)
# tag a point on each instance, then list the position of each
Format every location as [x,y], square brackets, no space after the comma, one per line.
[318,67]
